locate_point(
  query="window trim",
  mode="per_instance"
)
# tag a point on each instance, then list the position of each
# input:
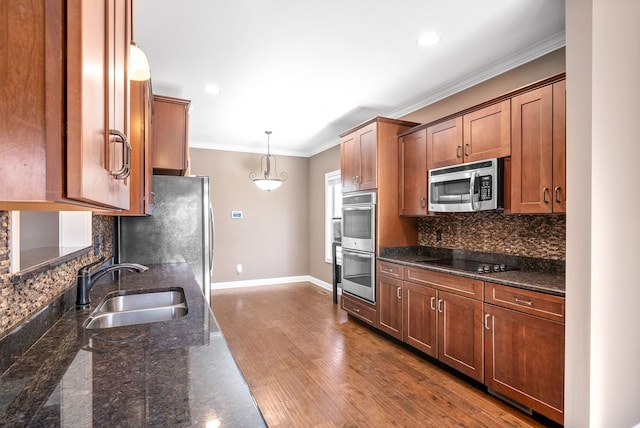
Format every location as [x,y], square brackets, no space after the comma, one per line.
[330,178]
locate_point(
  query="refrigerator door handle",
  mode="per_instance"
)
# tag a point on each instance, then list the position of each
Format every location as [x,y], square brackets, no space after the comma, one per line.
[212,239]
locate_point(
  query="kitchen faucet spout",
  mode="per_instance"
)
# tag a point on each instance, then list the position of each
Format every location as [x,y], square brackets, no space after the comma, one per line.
[86,279]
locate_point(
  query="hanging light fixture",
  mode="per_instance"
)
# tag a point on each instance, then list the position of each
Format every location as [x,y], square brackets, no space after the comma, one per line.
[138,64]
[266,179]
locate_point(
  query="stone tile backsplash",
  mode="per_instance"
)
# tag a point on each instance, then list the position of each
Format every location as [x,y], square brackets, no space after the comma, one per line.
[539,236]
[20,300]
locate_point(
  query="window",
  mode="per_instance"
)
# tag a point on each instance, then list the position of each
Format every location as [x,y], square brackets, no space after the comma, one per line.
[333,209]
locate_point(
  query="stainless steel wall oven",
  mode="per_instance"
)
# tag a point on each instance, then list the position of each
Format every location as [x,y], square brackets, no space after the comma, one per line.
[359,244]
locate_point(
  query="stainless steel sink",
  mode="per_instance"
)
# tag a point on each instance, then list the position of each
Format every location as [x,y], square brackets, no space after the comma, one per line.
[121,302]
[142,316]
[123,308]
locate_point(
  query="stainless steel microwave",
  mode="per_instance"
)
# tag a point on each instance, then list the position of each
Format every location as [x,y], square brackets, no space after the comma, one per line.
[474,186]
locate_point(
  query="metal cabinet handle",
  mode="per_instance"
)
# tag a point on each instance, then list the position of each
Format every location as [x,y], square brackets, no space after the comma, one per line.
[545,193]
[458,151]
[440,305]
[433,303]
[423,202]
[356,310]
[466,149]
[524,302]
[385,269]
[125,170]
[486,321]
[557,194]
[399,293]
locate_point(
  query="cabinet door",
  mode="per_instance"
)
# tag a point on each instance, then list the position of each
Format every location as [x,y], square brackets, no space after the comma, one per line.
[98,37]
[420,318]
[525,359]
[559,147]
[348,162]
[487,132]
[460,334]
[170,135]
[367,157]
[389,305]
[444,143]
[532,152]
[413,174]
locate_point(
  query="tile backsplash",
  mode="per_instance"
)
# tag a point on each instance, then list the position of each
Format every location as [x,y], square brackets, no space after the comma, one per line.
[539,236]
[20,299]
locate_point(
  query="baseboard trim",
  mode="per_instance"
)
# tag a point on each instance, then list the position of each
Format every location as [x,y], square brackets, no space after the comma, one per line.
[272,281]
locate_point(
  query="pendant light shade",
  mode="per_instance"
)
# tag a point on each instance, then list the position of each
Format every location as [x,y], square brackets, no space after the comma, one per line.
[268,179]
[138,64]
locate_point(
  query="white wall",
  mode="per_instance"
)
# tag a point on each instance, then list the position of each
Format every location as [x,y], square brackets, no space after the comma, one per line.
[603,152]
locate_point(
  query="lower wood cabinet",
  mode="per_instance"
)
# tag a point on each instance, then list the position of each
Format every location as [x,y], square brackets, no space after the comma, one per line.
[358,308]
[524,353]
[389,297]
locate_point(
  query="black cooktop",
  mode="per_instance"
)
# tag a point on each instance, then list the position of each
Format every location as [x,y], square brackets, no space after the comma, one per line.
[471,265]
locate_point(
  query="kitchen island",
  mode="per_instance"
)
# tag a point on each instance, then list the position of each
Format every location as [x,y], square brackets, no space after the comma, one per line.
[170,373]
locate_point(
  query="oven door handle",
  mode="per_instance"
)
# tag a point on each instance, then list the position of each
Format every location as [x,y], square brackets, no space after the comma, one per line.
[362,256]
[472,190]
[369,208]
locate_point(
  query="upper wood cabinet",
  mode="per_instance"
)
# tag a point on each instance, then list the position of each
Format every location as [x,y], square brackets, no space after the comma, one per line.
[480,134]
[359,159]
[66,117]
[412,174]
[538,151]
[140,179]
[170,135]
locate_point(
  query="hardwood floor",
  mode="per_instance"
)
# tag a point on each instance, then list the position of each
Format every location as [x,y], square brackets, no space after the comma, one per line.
[308,365]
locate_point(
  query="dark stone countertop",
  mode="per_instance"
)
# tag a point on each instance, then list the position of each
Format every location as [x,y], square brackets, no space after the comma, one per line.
[532,276]
[171,373]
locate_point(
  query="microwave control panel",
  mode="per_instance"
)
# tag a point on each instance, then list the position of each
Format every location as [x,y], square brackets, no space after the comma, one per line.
[485,187]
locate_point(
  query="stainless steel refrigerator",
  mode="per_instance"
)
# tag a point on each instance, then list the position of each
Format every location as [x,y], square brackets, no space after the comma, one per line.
[180,229]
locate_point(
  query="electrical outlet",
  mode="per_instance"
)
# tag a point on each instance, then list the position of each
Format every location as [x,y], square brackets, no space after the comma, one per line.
[438,235]
[96,246]
[239,269]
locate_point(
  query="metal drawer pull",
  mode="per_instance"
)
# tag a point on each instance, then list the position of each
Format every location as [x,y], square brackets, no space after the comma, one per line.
[524,302]
[439,305]
[390,270]
[399,292]
[356,310]
[433,303]
[486,321]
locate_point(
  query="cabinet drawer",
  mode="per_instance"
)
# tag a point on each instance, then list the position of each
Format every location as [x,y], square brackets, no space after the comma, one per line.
[390,269]
[530,302]
[359,309]
[452,283]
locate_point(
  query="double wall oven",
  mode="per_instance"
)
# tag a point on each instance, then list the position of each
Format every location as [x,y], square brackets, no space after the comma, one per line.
[359,245]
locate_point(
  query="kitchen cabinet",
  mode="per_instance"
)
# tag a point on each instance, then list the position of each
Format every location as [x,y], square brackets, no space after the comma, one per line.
[371,150]
[170,135]
[412,174]
[524,346]
[389,291]
[358,308]
[452,330]
[538,156]
[140,180]
[481,134]
[65,128]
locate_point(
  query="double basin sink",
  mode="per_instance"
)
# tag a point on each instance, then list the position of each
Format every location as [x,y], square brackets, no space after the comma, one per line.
[123,308]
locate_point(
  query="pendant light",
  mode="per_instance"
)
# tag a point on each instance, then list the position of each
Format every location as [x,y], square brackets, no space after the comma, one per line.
[138,64]
[267,179]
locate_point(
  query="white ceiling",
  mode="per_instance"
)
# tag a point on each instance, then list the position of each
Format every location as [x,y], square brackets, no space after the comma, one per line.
[310,70]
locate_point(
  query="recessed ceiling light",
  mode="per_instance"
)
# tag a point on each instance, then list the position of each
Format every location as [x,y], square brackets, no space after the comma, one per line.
[212,89]
[429,39]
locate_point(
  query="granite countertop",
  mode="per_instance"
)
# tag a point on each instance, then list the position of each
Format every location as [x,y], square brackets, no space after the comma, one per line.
[171,373]
[531,276]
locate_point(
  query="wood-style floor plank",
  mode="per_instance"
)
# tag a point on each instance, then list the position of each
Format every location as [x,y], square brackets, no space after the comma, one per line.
[309,365]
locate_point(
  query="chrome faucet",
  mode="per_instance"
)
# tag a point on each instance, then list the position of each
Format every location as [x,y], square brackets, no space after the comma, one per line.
[86,279]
